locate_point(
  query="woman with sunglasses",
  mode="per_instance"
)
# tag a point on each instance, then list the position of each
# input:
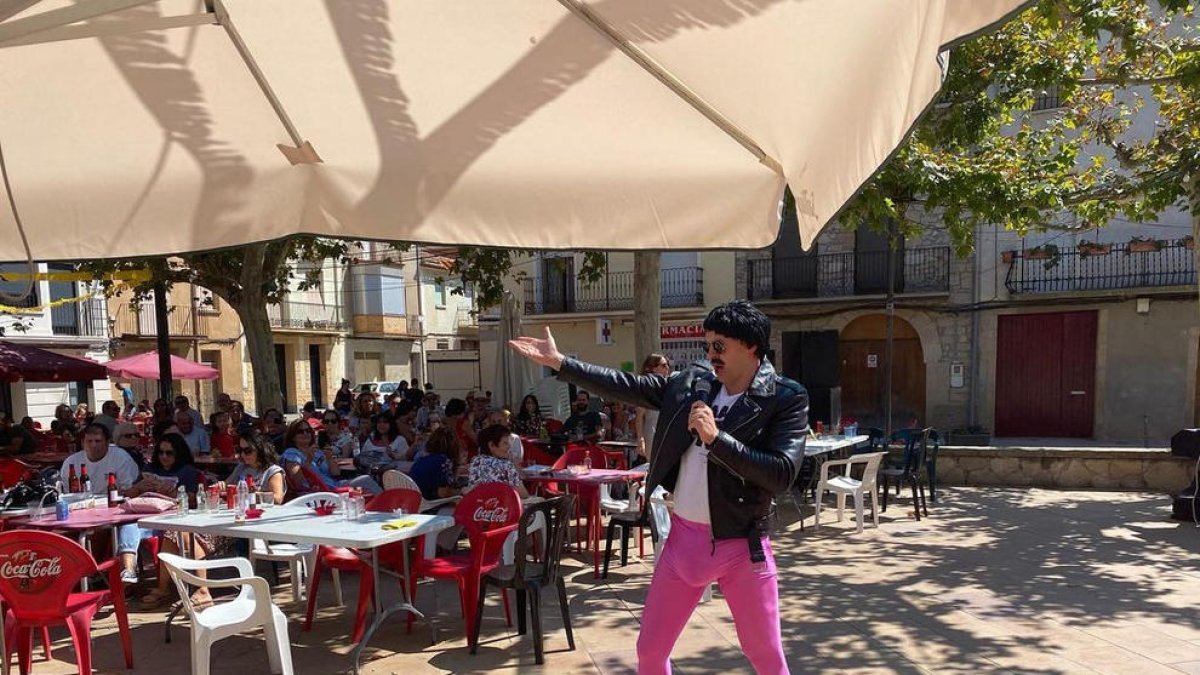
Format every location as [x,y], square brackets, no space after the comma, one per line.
[646,419]
[303,451]
[335,435]
[258,460]
[170,466]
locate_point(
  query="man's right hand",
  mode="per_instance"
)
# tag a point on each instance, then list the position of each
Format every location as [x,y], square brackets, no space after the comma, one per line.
[542,351]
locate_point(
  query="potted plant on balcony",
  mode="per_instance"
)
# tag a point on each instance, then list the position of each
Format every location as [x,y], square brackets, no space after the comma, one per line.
[1144,245]
[974,435]
[1188,242]
[1007,257]
[1088,249]
[1047,252]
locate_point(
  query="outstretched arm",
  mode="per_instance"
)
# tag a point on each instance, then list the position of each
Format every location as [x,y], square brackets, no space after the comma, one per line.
[639,390]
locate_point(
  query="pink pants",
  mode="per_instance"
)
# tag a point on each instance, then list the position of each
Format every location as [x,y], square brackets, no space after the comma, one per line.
[688,566]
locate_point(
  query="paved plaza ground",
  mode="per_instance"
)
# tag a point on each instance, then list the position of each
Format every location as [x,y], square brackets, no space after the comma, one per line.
[1000,580]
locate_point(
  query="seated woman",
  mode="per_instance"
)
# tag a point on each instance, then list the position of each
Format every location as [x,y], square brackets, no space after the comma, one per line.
[528,421]
[383,446]
[492,464]
[302,451]
[171,465]
[260,462]
[435,473]
[333,435]
[223,437]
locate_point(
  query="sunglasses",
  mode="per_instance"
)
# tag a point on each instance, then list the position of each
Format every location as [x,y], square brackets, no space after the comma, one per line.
[717,346]
[245,451]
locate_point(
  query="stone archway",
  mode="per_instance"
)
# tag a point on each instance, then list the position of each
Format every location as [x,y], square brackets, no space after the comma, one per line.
[862,350]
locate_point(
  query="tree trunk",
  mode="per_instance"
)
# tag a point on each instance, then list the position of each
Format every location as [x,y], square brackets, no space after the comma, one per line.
[1193,193]
[256,326]
[647,305]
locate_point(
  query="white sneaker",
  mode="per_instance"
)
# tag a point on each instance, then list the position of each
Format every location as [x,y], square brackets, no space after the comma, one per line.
[129,577]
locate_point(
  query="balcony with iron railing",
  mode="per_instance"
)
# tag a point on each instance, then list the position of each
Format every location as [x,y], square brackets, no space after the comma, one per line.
[86,318]
[681,287]
[833,275]
[306,316]
[134,322]
[1099,267]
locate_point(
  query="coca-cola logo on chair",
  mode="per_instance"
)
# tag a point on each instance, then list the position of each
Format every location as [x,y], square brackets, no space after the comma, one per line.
[491,512]
[29,571]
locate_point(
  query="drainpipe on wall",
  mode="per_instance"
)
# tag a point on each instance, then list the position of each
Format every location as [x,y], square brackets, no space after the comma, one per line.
[423,376]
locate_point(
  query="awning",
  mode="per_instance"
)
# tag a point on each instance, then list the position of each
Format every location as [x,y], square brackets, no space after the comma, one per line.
[145,367]
[23,363]
[135,127]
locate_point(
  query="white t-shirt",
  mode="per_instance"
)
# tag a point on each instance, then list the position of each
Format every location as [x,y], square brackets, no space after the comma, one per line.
[691,490]
[398,447]
[117,461]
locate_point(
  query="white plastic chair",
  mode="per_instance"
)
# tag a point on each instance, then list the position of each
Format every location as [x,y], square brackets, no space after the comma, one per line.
[250,609]
[845,485]
[662,524]
[301,558]
[398,479]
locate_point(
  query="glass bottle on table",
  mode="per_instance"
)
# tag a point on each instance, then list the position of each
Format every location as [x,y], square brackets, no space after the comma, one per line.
[85,483]
[113,497]
[73,485]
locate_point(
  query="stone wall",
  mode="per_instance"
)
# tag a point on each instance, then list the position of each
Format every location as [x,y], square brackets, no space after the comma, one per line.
[1135,469]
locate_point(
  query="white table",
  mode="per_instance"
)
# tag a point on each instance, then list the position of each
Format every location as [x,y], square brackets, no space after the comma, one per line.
[830,444]
[299,525]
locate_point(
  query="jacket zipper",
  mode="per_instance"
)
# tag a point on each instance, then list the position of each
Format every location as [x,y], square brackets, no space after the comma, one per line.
[654,457]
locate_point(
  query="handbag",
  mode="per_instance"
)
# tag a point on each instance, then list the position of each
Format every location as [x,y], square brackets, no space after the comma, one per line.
[151,502]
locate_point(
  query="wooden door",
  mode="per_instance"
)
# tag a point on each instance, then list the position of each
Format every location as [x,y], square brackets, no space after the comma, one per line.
[862,350]
[1046,375]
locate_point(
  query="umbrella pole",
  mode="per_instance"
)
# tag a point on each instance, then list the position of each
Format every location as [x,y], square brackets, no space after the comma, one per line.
[162,330]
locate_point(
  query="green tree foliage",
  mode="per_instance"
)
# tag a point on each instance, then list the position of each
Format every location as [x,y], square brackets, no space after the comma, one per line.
[981,156]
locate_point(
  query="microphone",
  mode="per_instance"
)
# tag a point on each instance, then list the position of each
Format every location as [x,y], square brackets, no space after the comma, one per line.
[701,389]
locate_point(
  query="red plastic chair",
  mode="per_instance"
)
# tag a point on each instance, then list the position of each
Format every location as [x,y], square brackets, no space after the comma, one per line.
[346,560]
[38,574]
[586,496]
[13,471]
[488,513]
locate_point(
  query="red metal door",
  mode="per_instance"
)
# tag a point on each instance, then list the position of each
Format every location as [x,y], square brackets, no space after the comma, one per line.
[1046,375]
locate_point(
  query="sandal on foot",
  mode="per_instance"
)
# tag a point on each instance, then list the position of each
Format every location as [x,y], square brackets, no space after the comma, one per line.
[201,602]
[156,598]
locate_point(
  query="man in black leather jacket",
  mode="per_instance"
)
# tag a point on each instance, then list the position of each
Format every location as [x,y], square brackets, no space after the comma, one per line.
[730,437]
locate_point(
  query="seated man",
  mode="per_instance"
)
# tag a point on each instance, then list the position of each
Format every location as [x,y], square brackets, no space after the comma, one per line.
[195,434]
[102,459]
[583,421]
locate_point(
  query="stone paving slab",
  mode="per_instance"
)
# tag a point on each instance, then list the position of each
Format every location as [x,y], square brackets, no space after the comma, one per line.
[1000,580]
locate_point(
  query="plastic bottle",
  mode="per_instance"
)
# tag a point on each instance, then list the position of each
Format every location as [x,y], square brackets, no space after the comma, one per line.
[243,493]
[62,510]
[359,505]
[201,498]
[347,507]
[252,494]
[181,500]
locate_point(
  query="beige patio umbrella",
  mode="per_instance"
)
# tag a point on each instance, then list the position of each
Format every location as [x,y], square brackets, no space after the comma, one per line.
[134,127]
